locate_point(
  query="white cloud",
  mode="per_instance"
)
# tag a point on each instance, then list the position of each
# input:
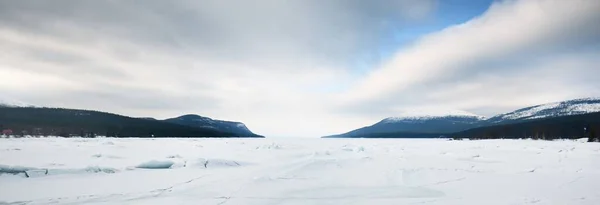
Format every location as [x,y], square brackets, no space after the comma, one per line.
[538,81]
[509,33]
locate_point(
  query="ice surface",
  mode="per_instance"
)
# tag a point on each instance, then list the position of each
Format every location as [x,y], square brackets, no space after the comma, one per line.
[300,171]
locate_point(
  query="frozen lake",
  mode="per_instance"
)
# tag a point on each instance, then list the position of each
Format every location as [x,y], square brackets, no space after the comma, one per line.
[299,171]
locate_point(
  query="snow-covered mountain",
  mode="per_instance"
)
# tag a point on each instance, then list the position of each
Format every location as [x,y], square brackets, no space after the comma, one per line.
[557,109]
[220,125]
[420,121]
[429,122]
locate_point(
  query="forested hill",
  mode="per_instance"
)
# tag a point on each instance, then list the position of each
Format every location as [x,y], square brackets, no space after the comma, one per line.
[71,122]
[564,127]
[574,126]
[192,120]
[567,119]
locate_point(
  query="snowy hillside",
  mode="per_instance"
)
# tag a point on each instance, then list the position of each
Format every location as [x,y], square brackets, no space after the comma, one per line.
[297,171]
[428,114]
[565,108]
[13,103]
[426,122]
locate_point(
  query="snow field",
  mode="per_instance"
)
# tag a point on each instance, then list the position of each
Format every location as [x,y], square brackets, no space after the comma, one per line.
[298,171]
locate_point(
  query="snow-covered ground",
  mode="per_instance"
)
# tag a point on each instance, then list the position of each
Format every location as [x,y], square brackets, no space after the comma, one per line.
[298,171]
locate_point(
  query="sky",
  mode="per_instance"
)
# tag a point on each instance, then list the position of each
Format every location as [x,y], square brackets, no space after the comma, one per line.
[298,68]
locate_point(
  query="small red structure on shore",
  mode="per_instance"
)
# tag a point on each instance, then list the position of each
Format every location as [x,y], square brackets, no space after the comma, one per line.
[7,132]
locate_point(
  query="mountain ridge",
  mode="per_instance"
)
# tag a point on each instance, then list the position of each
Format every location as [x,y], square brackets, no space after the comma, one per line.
[452,123]
[191,120]
[429,125]
[41,121]
[425,114]
[554,109]
[195,120]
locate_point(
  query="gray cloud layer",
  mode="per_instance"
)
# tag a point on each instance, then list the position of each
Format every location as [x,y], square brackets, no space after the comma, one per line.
[265,30]
[281,65]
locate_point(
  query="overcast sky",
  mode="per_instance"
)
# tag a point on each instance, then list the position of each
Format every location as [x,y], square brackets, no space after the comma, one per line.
[299,68]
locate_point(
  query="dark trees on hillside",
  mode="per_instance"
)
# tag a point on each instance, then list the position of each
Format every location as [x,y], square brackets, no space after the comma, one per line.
[83,123]
[566,127]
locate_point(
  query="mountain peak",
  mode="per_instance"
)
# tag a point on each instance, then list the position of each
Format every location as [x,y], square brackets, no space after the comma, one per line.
[425,114]
[205,122]
[556,109]
[193,117]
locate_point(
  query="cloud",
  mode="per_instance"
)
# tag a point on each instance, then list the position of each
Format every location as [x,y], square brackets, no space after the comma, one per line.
[264,30]
[514,51]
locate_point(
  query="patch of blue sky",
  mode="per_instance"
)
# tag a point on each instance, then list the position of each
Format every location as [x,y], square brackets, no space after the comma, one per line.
[405,33]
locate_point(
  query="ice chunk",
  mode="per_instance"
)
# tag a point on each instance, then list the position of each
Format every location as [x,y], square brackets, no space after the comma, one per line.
[5,169]
[155,164]
[23,171]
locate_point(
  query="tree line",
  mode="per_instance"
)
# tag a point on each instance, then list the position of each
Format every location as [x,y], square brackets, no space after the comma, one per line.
[565,127]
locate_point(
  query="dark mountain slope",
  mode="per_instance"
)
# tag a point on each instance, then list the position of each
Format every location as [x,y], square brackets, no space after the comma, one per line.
[70,122]
[551,120]
[416,126]
[572,126]
[563,127]
[237,128]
